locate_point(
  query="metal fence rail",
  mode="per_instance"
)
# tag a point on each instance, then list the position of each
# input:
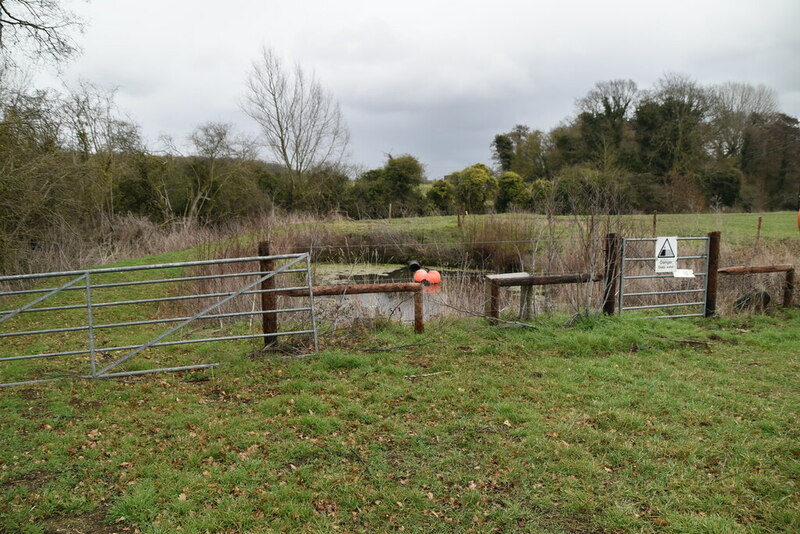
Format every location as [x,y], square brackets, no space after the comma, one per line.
[77,304]
[649,290]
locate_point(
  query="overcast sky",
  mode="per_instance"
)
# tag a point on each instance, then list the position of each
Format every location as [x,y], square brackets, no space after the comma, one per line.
[431,78]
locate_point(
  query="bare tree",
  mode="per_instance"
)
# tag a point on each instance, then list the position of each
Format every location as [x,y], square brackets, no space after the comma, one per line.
[733,105]
[612,98]
[604,115]
[302,124]
[97,134]
[39,29]
[218,154]
[95,124]
[213,142]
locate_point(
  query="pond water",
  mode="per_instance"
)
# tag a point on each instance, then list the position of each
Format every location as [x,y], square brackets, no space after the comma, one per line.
[460,293]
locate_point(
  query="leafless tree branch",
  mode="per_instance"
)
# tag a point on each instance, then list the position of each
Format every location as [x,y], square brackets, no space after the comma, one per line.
[38,29]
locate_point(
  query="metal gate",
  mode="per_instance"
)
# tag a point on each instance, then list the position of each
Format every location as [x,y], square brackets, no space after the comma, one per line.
[642,288]
[75,316]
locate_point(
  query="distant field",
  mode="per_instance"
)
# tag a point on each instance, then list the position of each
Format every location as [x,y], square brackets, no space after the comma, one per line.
[501,242]
[735,227]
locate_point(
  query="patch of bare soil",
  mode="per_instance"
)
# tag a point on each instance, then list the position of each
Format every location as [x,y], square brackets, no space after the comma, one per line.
[92,523]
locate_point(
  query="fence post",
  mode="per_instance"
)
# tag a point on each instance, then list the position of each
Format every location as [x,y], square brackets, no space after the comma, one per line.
[758,232]
[269,319]
[610,274]
[788,289]
[713,273]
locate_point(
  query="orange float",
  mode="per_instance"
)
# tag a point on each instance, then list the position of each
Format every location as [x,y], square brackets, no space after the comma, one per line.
[420,275]
[434,277]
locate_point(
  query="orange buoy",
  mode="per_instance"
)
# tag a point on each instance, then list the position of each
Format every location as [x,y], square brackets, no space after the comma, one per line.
[434,277]
[420,275]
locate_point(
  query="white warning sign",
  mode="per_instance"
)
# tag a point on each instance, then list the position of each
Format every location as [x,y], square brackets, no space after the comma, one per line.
[666,254]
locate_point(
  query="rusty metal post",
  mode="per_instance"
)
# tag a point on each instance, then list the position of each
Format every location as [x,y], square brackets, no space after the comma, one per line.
[269,318]
[788,289]
[610,273]
[419,312]
[713,273]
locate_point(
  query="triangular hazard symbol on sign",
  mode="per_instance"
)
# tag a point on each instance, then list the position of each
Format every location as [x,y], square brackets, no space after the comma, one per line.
[666,250]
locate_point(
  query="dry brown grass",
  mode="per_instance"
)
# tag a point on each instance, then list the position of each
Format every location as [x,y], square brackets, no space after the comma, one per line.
[493,244]
[731,287]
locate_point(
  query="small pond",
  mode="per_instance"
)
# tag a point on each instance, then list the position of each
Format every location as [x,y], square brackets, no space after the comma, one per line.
[461,293]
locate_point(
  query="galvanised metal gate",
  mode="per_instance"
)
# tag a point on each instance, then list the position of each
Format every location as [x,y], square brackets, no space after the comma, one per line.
[642,288]
[76,310]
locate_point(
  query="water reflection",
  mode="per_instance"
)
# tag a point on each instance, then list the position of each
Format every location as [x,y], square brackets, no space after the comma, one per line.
[458,293]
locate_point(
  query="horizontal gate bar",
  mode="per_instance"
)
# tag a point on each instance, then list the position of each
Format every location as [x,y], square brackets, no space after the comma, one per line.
[652,276]
[28,382]
[652,306]
[162,370]
[629,239]
[147,267]
[114,375]
[152,321]
[678,258]
[676,292]
[161,299]
[146,282]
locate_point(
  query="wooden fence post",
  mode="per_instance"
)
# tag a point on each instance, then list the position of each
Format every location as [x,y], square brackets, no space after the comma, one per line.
[713,274]
[758,232]
[788,289]
[269,319]
[610,274]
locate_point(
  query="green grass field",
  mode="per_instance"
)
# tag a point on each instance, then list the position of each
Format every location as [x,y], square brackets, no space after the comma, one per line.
[735,227]
[611,424]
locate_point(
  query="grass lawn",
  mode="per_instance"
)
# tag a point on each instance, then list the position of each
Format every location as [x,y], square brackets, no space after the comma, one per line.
[609,425]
